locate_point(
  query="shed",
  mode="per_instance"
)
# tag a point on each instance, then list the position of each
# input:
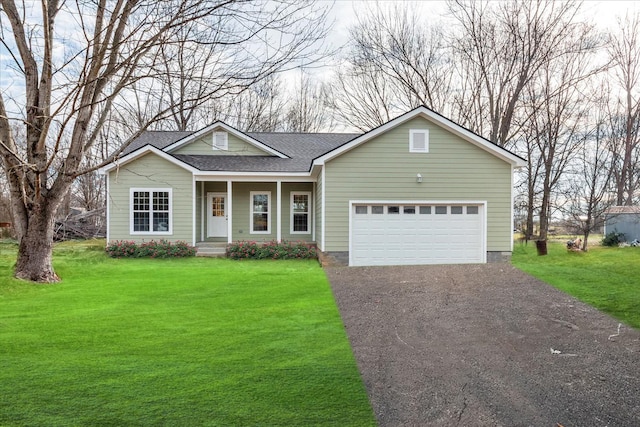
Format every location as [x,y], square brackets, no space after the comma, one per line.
[625,220]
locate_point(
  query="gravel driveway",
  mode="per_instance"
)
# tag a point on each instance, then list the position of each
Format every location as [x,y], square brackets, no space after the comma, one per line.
[485,345]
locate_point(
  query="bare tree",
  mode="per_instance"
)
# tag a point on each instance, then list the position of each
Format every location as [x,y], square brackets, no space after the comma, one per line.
[588,187]
[395,62]
[258,109]
[557,116]
[624,52]
[307,111]
[361,97]
[500,48]
[67,97]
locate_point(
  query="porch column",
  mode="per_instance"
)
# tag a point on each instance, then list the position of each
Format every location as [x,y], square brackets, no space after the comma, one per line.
[203,211]
[279,211]
[229,212]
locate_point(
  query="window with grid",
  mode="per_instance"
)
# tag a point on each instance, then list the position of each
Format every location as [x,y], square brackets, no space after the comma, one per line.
[300,212]
[150,211]
[260,212]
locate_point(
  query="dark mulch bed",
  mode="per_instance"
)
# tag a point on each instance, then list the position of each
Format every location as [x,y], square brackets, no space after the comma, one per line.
[472,345]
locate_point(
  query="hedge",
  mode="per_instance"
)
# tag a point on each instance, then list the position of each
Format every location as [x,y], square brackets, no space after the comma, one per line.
[150,249]
[271,250]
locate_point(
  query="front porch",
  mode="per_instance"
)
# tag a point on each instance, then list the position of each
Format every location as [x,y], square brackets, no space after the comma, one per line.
[235,210]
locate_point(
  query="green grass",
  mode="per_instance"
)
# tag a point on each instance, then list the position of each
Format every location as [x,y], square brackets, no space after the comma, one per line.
[189,342]
[607,278]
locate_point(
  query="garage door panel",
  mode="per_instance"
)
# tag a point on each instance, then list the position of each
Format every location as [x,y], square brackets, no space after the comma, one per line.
[418,236]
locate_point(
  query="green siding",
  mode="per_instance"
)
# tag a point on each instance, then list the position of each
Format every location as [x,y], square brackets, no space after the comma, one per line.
[150,171]
[384,169]
[204,145]
[241,210]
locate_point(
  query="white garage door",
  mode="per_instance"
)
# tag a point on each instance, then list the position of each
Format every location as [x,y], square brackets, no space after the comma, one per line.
[412,234]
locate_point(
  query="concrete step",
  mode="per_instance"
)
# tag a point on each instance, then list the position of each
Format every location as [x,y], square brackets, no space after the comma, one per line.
[211,249]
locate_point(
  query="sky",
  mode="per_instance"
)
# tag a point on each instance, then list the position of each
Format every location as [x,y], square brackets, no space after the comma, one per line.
[345,12]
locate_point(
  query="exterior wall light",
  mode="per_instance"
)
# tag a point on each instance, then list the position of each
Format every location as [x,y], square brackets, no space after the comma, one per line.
[418,178]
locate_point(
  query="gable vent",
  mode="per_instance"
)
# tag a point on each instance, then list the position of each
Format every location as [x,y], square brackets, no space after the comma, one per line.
[220,141]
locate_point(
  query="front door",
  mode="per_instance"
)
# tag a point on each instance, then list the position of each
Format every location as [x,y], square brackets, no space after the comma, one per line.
[217,215]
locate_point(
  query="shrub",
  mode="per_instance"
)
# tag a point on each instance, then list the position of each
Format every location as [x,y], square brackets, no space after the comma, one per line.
[150,249]
[613,239]
[271,250]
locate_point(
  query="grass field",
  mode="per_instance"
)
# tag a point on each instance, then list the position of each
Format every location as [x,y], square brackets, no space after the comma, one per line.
[605,277]
[178,342]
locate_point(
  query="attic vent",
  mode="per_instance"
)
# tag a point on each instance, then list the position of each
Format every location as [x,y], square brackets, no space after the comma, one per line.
[419,141]
[220,141]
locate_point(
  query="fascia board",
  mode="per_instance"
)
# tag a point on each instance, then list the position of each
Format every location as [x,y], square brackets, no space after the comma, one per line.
[187,139]
[143,152]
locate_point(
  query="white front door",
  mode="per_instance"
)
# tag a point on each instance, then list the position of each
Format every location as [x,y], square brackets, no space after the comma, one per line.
[217,215]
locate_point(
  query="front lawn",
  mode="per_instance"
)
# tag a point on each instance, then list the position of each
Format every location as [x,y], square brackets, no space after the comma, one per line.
[607,278]
[189,342]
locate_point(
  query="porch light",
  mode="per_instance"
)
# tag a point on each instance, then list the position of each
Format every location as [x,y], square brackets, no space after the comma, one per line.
[418,178]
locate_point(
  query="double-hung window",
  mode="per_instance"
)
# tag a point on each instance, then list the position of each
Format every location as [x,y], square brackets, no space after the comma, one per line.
[151,211]
[260,212]
[300,212]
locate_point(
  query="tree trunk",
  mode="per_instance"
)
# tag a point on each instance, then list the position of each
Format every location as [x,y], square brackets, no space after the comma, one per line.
[36,247]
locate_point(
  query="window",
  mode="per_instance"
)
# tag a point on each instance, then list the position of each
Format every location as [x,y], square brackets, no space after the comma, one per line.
[393,210]
[220,141]
[362,210]
[150,211]
[300,212]
[456,210]
[472,210]
[409,210]
[441,210]
[377,210]
[425,210]
[419,140]
[260,212]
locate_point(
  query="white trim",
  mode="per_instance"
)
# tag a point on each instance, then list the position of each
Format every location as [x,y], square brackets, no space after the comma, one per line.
[482,203]
[412,133]
[513,200]
[252,176]
[194,201]
[438,120]
[212,127]
[323,208]
[292,194]
[150,232]
[314,190]
[108,208]
[229,211]
[269,212]
[203,214]
[279,211]
[142,152]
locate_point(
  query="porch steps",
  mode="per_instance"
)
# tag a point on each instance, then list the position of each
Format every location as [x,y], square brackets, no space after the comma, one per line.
[211,249]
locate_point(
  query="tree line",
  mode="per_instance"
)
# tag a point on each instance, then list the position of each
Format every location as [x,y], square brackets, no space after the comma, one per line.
[535,77]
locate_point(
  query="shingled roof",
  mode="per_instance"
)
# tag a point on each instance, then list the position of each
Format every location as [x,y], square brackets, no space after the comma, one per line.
[301,148]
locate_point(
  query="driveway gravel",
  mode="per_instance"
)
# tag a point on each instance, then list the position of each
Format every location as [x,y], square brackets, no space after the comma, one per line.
[485,345]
